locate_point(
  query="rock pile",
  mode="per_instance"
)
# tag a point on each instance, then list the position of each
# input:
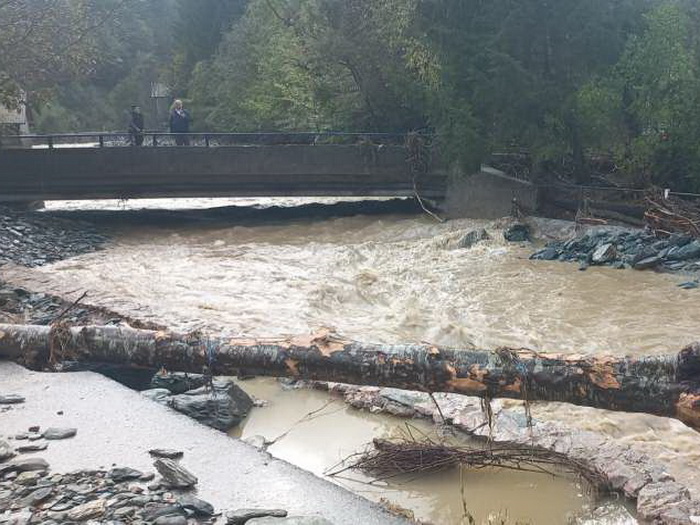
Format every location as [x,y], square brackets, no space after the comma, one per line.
[29,493]
[34,239]
[626,249]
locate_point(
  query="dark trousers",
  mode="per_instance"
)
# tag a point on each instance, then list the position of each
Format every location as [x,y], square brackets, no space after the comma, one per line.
[137,139]
[182,139]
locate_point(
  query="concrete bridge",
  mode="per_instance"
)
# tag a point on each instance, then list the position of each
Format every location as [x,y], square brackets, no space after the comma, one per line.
[105,166]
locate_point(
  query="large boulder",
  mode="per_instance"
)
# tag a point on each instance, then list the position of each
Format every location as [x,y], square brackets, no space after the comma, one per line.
[177,382]
[517,233]
[221,406]
[473,237]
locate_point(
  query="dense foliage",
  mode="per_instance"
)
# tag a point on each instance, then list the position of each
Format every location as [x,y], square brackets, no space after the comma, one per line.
[568,81]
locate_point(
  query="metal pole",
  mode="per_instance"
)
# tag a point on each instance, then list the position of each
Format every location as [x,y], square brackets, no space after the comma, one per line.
[50,142]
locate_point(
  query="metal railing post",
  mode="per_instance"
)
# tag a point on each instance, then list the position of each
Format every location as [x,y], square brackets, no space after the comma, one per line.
[50,142]
[102,141]
[206,140]
[155,141]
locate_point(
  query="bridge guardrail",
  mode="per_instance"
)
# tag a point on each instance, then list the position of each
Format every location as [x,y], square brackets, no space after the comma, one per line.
[164,139]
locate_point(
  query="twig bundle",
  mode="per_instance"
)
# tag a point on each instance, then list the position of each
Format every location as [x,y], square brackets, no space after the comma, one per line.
[394,458]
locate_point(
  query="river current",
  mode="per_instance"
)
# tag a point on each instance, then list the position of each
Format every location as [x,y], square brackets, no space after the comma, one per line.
[390,278]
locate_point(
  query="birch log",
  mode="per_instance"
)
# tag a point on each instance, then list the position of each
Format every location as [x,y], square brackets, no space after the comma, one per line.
[661,385]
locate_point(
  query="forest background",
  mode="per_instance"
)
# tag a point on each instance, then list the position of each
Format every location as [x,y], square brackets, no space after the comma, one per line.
[573,84]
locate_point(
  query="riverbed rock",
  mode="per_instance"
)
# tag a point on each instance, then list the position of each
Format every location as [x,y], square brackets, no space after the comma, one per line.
[11,399]
[604,253]
[654,498]
[178,382]
[6,451]
[32,447]
[119,474]
[91,509]
[472,238]
[24,465]
[243,516]
[222,407]
[197,506]
[171,520]
[517,233]
[175,475]
[56,433]
[647,263]
[166,453]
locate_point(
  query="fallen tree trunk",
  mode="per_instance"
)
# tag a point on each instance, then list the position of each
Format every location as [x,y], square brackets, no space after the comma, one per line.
[661,385]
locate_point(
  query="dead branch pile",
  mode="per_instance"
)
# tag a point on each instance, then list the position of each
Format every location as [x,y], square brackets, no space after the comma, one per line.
[389,459]
[667,214]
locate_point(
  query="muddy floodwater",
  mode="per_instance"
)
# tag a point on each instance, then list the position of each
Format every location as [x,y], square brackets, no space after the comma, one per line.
[395,278]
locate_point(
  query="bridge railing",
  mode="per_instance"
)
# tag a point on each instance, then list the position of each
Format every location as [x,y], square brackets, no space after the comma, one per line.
[156,139]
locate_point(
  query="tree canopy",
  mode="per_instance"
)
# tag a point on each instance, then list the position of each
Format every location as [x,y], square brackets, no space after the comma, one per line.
[566,81]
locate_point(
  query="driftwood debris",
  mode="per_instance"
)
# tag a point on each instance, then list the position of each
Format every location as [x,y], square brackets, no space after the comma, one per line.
[391,458]
[666,215]
[661,385]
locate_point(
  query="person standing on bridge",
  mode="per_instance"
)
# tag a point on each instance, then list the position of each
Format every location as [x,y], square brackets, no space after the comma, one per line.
[180,123]
[136,126]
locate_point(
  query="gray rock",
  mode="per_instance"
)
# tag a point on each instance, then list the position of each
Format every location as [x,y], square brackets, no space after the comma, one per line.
[39,496]
[604,254]
[119,474]
[197,506]
[23,517]
[24,465]
[178,382]
[647,263]
[166,453]
[690,285]
[5,451]
[684,253]
[517,233]
[257,441]
[54,433]
[546,254]
[32,447]
[473,237]
[242,516]
[159,395]
[91,509]
[654,498]
[152,511]
[11,399]
[28,478]
[222,407]
[170,520]
[174,474]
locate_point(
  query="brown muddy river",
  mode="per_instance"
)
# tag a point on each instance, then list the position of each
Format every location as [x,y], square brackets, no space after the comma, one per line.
[396,278]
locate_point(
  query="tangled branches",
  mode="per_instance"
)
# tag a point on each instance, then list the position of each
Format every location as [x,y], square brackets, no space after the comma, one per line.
[389,459]
[666,215]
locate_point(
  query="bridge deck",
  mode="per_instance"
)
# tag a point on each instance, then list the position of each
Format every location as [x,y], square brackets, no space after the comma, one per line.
[228,171]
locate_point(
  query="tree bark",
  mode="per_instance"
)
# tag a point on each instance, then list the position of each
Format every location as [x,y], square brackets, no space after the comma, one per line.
[661,385]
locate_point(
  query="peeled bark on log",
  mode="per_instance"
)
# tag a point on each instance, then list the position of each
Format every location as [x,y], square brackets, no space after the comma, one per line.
[661,385]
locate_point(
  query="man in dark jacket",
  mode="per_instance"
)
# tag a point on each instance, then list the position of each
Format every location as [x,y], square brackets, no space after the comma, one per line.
[180,123]
[136,126]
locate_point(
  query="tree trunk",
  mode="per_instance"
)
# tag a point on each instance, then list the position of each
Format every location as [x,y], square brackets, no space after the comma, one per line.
[661,385]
